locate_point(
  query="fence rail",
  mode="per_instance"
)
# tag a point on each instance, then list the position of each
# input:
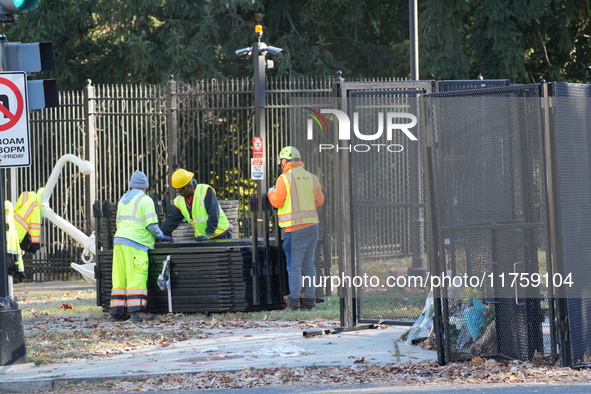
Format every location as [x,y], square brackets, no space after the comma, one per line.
[204,126]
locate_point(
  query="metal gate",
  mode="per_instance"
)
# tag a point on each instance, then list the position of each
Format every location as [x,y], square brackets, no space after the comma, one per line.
[382,235]
[488,222]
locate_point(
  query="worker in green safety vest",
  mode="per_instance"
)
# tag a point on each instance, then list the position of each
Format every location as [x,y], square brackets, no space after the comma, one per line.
[14,261]
[137,229]
[198,205]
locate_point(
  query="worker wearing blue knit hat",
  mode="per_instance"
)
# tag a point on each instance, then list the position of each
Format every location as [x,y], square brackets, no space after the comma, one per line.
[137,229]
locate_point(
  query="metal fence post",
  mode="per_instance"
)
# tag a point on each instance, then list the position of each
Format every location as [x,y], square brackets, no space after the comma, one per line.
[172,126]
[346,254]
[90,136]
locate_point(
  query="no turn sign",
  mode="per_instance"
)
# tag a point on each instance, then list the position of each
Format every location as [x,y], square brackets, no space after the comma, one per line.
[14,120]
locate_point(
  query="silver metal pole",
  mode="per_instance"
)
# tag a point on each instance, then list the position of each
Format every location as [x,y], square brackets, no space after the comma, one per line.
[414,39]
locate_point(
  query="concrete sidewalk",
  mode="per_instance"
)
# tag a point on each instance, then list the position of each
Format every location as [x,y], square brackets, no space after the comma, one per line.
[229,350]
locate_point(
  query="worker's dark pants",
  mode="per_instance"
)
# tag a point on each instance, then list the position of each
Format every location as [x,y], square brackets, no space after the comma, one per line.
[225,235]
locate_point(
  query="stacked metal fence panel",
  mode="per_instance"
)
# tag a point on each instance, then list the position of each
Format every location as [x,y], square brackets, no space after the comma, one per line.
[467,84]
[488,221]
[205,278]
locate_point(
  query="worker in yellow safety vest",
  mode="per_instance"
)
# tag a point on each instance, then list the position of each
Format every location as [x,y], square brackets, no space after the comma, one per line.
[198,205]
[296,194]
[14,261]
[27,213]
[137,229]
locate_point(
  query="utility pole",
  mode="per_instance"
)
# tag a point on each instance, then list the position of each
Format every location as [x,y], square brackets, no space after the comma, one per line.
[259,160]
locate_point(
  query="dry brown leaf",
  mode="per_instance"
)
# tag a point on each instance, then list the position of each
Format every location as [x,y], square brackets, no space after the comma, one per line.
[478,360]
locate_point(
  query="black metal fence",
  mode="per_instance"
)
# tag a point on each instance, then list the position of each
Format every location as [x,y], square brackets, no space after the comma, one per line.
[568,142]
[488,219]
[505,170]
[382,193]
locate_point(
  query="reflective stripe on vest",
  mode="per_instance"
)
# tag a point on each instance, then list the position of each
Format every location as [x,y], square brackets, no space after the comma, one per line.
[299,207]
[200,216]
[132,222]
[27,214]
[12,242]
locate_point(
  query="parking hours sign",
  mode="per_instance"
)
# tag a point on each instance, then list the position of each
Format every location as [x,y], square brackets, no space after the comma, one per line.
[14,120]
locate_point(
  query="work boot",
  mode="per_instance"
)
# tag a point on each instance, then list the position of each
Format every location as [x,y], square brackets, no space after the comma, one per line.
[116,318]
[309,304]
[141,316]
[292,305]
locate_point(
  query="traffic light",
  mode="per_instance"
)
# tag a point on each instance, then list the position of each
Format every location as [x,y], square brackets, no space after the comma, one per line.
[42,93]
[9,7]
[31,58]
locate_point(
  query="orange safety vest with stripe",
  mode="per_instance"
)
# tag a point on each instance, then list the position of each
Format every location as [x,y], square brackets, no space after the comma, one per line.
[299,207]
[27,214]
[200,215]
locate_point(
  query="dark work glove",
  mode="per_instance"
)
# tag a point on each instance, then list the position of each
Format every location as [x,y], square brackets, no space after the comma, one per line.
[166,238]
[202,238]
[20,277]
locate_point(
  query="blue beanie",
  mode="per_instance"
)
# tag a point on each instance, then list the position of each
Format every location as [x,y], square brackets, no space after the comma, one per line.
[138,180]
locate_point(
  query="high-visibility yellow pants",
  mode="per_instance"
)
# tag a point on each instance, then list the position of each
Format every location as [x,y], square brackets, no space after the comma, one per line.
[129,279]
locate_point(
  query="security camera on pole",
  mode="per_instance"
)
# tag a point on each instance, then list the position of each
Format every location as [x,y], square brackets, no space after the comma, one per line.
[18,95]
[259,52]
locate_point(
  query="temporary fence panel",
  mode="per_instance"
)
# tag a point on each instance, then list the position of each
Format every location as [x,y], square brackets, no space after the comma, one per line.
[569,145]
[386,237]
[487,221]
[381,207]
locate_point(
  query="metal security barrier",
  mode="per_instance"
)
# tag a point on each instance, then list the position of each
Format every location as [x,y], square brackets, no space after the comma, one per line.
[488,222]
[381,195]
[568,142]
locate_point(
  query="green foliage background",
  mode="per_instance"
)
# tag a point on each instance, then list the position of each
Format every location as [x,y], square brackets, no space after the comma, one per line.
[114,41]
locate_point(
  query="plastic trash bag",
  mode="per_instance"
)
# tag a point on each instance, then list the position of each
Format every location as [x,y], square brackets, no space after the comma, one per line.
[474,316]
[422,326]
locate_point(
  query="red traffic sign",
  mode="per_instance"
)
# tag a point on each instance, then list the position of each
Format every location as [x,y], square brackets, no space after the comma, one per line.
[15,114]
[14,120]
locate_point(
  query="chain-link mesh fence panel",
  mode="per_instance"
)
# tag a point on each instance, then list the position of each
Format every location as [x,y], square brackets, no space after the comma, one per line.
[570,146]
[386,198]
[489,224]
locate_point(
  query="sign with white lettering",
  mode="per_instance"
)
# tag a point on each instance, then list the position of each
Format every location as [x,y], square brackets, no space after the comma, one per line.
[14,120]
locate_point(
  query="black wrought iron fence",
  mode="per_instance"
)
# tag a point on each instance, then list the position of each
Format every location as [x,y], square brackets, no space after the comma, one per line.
[205,126]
